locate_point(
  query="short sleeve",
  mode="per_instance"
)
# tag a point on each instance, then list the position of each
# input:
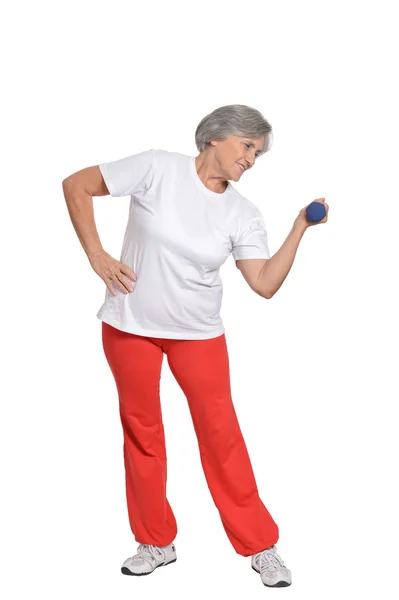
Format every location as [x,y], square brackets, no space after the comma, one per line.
[252,241]
[130,175]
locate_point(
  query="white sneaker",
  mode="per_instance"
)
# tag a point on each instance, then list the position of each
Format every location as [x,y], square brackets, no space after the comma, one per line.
[148,558]
[271,568]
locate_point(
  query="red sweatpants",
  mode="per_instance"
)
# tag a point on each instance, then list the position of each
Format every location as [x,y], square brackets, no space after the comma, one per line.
[201,368]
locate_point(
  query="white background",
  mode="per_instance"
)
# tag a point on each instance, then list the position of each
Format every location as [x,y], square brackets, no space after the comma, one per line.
[312,369]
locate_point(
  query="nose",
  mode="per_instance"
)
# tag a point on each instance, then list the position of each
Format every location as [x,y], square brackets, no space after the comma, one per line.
[250,160]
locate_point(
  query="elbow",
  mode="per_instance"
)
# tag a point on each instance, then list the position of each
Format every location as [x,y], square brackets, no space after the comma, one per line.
[66,181]
[261,286]
[266,294]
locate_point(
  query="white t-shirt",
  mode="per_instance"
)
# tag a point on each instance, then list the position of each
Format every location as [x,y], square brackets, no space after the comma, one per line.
[178,235]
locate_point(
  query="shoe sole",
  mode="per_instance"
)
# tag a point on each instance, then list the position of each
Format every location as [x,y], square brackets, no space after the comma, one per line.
[278,584]
[126,571]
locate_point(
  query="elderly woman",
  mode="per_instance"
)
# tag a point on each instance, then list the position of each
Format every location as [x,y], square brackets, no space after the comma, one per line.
[164,297]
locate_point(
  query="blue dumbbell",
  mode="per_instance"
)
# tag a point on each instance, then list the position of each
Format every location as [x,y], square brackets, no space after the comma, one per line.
[316,211]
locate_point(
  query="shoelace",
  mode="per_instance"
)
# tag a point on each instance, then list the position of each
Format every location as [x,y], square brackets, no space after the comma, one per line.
[269,559]
[149,553]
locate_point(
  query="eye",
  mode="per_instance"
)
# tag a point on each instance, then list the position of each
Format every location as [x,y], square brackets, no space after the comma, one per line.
[248,146]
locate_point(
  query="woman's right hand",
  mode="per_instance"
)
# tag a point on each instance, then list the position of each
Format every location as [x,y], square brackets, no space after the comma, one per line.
[112,271]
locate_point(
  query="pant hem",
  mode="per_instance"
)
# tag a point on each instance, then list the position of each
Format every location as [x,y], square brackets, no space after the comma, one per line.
[251,553]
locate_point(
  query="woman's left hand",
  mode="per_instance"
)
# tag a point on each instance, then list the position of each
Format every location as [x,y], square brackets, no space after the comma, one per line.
[301,218]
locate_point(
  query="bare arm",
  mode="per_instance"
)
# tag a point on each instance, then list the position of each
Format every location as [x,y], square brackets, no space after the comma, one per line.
[276,269]
[266,276]
[79,189]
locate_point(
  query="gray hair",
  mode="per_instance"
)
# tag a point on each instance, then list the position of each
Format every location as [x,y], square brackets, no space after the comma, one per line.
[234,119]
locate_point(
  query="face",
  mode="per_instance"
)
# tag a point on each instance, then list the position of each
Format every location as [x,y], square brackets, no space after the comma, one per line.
[236,150]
